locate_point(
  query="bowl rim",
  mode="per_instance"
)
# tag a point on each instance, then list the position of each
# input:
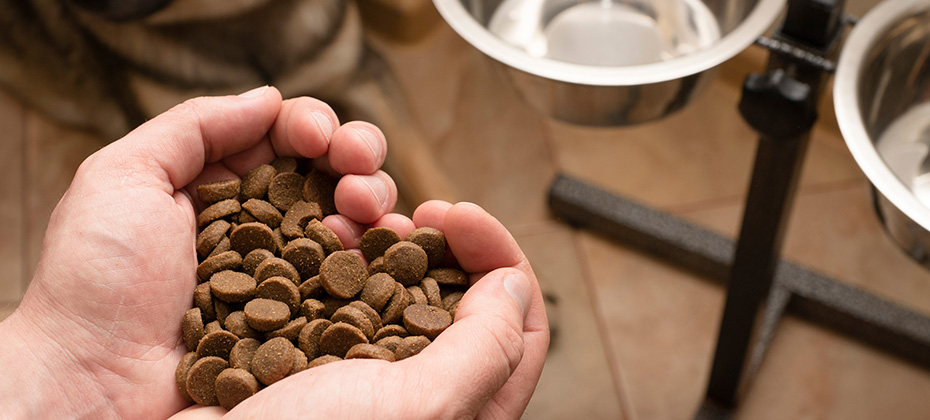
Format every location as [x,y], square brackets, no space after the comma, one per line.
[757,22]
[860,42]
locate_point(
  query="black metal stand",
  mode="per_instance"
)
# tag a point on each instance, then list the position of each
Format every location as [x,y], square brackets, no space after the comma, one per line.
[780,105]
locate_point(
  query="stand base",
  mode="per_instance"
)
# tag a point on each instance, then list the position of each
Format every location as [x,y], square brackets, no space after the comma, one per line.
[848,310]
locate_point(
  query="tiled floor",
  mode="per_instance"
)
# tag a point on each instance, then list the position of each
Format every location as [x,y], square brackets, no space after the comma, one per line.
[635,336]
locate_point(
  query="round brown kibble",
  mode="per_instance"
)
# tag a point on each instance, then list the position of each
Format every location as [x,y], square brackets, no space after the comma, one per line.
[322,360]
[300,362]
[406,262]
[218,191]
[210,237]
[321,234]
[390,342]
[201,379]
[280,289]
[431,290]
[240,357]
[433,242]
[394,310]
[312,309]
[203,300]
[451,299]
[417,297]
[311,288]
[255,183]
[331,304]
[297,217]
[273,360]
[217,343]
[237,324]
[377,240]
[376,266]
[192,328]
[290,330]
[279,240]
[180,374]
[232,286]
[221,247]
[263,212]
[411,346]
[211,328]
[276,267]
[245,217]
[251,261]
[222,309]
[378,290]
[285,189]
[448,276]
[343,274]
[339,338]
[218,211]
[233,386]
[229,260]
[369,351]
[320,188]
[309,338]
[249,236]
[284,164]
[266,314]
[354,316]
[305,255]
[426,320]
[391,330]
[372,314]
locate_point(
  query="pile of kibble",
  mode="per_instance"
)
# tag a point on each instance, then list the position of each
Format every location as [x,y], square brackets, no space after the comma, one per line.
[278,294]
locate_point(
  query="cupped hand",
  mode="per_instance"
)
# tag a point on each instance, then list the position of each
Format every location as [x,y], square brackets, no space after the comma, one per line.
[485,365]
[101,318]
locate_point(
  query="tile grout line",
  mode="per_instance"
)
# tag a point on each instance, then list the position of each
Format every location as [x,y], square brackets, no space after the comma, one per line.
[626,406]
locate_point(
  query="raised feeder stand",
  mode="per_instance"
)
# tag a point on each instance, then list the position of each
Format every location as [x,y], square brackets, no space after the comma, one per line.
[780,104]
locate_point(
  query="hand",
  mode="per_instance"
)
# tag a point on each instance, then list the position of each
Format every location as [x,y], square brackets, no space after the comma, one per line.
[97,333]
[485,365]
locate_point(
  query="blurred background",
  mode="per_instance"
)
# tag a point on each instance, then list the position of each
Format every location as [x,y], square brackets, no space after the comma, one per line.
[633,337]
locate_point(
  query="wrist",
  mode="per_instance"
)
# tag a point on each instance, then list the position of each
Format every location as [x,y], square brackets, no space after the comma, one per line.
[42,379]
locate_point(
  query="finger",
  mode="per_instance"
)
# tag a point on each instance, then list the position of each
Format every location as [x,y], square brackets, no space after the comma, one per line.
[199,412]
[304,127]
[396,222]
[357,148]
[479,352]
[479,241]
[349,231]
[365,198]
[243,162]
[174,146]
[431,214]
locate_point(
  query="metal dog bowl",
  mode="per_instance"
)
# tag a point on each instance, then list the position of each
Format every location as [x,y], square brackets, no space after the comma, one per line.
[609,62]
[882,101]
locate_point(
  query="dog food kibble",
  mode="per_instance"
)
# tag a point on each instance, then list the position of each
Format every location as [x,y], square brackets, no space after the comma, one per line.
[280,294]
[406,262]
[218,191]
[233,386]
[273,360]
[369,351]
[343,274]
[433,243]
[377,240]
[263,211]
[267,314]
[285,189]
[201,379]
[426,320]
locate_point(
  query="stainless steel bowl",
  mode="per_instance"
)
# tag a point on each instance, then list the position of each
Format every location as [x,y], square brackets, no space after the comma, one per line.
[882,101]
[609,62]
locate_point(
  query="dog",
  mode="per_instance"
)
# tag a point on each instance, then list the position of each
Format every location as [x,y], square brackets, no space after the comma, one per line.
[106,66]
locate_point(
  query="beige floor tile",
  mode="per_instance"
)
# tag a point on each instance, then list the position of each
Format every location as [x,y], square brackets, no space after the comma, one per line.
[577,381]
[12,215]
[811,373]
[662,326]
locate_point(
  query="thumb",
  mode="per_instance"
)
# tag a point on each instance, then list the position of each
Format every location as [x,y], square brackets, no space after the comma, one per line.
[473,358]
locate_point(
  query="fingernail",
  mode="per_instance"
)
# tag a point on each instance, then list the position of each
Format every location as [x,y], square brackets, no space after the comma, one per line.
[377,187]
[518,286]
[254,93]
[373,144]
[323,121]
